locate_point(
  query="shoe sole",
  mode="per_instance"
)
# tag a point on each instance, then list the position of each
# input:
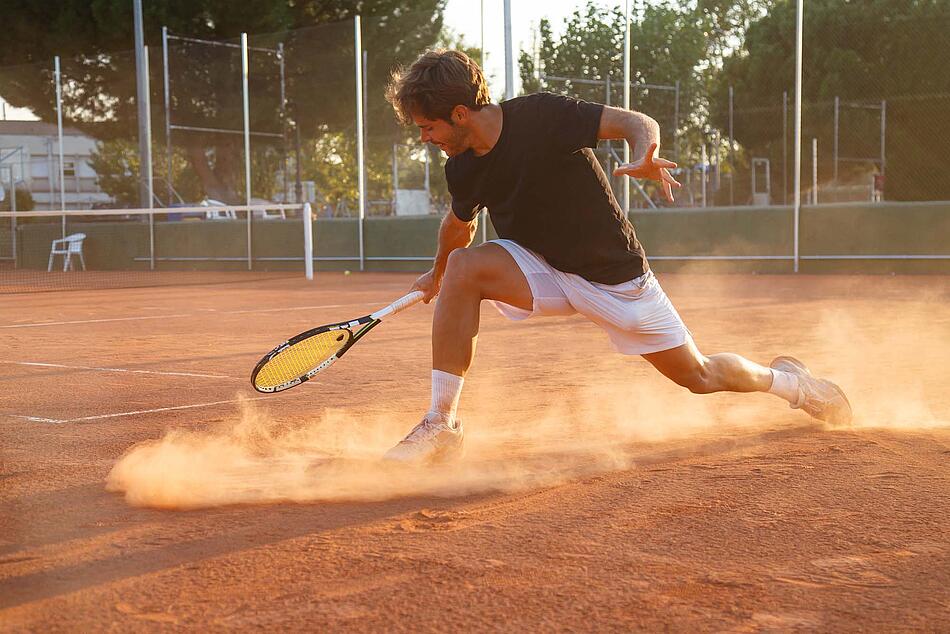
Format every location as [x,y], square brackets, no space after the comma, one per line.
[803,369]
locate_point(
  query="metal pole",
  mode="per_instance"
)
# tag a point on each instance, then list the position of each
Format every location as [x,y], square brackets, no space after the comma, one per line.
[283,115]
[732,152]
[837,110]
[784,147]
[168,121]
[509,55]
[395,174]
[797,143]
[307,241]
[59,127]
[883,130]
[814,171]
[482,28]
[142,98]
[298,185]
[676,121]
[361,167]
[703,163]
[484,214]
[149,186]
[13,217]
[626,97]
[717,180]
[245,71]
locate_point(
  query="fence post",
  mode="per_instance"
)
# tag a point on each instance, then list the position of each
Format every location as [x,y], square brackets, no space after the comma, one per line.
[307,240]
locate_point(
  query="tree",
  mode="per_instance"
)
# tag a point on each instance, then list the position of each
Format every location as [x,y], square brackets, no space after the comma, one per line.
[669,45]
[117,166]
[93,38]
[859,51]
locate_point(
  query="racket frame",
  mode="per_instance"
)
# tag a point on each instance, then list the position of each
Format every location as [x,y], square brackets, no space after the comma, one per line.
[368,322]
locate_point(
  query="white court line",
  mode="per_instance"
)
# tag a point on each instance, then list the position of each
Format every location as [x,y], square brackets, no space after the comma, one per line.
[219,312]
[91,321]
[135,413]
[84,367]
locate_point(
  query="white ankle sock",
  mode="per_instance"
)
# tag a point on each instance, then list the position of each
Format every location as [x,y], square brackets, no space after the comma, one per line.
[785,385]
[446,389]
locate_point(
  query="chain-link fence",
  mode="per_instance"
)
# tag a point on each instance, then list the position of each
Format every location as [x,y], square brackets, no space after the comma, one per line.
[873,123]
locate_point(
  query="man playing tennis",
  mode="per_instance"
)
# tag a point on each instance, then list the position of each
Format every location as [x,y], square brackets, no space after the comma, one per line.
[566,246]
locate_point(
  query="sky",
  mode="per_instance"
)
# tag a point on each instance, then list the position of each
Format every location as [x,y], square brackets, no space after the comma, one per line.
[464,18]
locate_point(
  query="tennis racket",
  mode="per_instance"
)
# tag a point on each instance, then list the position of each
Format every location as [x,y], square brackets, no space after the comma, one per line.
[298,359]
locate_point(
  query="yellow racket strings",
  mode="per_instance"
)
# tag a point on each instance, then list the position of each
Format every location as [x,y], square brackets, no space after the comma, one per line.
[301,357]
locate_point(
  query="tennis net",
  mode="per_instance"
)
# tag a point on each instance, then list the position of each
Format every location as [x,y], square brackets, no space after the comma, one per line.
[122,248]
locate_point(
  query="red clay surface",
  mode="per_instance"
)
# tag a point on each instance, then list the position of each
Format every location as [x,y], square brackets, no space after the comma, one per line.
[594,495]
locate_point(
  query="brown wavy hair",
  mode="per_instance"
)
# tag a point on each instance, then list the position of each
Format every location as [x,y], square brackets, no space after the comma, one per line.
[435,83]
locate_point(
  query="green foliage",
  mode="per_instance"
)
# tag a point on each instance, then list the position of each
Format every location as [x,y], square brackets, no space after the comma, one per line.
[865,51]
[116,164]
[670,45]
[24,200]
[94,39]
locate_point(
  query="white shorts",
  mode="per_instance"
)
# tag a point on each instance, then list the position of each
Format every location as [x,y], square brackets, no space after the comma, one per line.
[637,315]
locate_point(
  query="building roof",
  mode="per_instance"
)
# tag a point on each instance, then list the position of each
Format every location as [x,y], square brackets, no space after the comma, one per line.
[35,128]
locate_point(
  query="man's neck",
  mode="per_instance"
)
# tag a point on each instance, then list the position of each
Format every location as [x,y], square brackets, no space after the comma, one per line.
[486,129]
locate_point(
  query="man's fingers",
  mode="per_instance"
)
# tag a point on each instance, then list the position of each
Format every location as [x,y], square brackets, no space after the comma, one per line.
[668,178]
[664,163]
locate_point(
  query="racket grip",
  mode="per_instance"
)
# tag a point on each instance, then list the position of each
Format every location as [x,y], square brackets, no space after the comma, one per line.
[399,305]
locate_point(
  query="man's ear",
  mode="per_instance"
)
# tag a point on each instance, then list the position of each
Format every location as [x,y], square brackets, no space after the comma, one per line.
[459,114]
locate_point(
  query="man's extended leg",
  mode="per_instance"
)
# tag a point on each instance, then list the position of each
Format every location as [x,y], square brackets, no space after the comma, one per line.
[786,377]
[471,275]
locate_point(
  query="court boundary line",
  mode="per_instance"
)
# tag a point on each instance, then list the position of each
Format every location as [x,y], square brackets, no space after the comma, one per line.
[205,311]
[40,364]
[81,419]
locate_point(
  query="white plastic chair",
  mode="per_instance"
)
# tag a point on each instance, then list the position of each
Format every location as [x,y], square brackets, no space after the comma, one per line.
[67,247]
[218,214]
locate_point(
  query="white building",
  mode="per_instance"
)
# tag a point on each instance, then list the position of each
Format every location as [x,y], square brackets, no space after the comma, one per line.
[30,150]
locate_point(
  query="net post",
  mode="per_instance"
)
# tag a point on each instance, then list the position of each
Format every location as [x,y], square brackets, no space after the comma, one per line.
[307,240]
[247,143]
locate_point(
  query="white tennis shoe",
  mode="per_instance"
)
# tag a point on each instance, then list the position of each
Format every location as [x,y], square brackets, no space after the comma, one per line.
[820,398]
[432,440]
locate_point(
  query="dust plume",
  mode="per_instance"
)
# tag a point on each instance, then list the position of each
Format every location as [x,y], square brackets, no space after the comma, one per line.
[894,367]
[256,459]
[530,426]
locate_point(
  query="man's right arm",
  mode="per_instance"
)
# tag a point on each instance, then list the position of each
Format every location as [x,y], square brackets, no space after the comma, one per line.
[453,234]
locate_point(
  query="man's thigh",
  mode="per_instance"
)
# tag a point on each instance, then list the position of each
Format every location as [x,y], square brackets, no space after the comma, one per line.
[499,276]
[679,363]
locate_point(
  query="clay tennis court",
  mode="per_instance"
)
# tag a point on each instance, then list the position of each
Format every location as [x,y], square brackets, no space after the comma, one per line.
[594,494]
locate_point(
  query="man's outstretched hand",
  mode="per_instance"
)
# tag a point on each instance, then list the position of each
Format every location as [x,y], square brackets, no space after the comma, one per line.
[652,168]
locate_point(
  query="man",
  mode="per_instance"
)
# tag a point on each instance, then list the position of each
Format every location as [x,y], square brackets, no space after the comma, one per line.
[566,247]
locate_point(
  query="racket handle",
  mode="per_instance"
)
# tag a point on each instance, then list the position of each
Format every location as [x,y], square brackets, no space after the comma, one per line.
[399,305]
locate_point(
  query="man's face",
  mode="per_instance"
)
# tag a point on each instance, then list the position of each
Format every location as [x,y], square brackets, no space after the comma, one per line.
[449,138]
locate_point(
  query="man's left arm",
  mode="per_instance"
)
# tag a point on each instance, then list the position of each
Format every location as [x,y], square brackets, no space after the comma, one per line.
[643,135]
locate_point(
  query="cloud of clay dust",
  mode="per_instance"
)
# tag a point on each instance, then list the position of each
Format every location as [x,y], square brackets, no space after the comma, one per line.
[892,364]
[520,436]
[255,459]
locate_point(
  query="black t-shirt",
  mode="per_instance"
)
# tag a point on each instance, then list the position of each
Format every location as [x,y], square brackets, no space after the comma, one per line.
[545,190]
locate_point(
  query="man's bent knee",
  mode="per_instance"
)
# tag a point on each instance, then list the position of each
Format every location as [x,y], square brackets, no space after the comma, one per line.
[462,266]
